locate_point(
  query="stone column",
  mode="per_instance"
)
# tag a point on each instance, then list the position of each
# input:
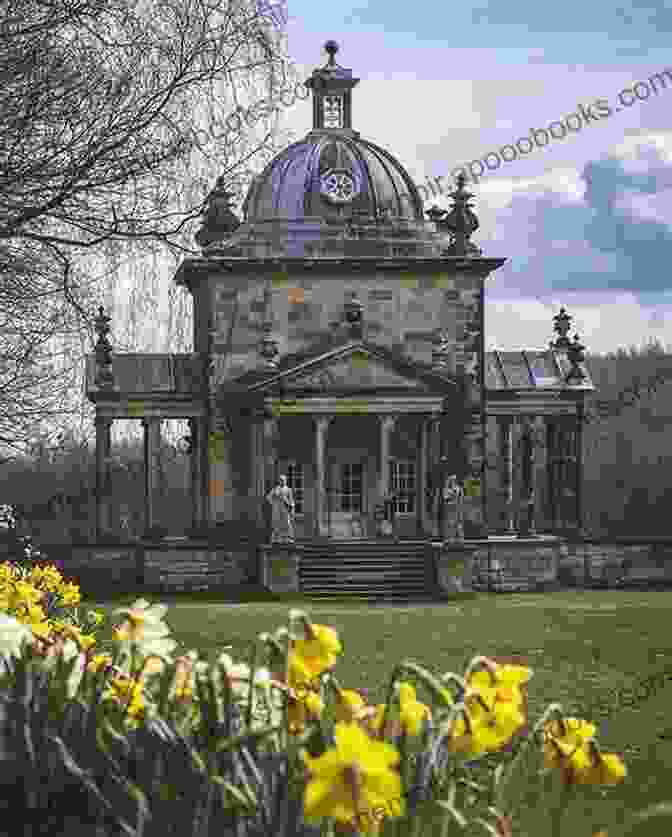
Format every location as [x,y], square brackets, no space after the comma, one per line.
[526,525]
[321,523]
[474,509]
[386,427]
[551,472]
[269,455]
[562,462]
[152,441]
[540,487]
[257,482]
[196,467]
[103,452]
[578,465]
[506,456]
[421,486]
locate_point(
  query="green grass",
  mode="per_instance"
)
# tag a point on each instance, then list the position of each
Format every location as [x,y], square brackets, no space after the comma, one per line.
[583,647]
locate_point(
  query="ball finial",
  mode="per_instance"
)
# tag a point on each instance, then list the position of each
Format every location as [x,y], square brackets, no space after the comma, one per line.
[331,48]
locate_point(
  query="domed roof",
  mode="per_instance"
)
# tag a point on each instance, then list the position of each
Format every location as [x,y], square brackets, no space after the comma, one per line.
[333,173]
[336,195]
[337,176]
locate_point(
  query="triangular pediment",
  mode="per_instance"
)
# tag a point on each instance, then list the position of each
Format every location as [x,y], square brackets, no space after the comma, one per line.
[356,367]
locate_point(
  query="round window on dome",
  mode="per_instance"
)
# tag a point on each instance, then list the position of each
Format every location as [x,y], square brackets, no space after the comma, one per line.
[338,186]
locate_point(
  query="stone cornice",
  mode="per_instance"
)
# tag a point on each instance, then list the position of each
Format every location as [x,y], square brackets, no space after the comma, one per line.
[194,270]
[373,405]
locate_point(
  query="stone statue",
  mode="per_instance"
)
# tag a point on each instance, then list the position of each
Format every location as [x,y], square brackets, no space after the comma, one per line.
[281,500]
[453,496]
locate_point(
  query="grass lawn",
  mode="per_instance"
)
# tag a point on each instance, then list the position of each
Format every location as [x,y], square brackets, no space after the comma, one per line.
[584,647]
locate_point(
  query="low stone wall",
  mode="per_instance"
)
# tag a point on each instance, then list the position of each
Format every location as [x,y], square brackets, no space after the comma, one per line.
[497,564]
[546,562]
[516,564]
[150,568]
[628,562]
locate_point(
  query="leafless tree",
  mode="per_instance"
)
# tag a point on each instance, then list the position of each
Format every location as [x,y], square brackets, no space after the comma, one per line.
[114,120]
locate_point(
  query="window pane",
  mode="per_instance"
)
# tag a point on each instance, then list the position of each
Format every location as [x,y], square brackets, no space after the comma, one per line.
[403,486]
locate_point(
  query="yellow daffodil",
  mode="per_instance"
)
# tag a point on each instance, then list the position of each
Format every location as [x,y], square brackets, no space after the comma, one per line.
[310,657]
[42,630]
[18,595]
[570,745]
[184,678]
[493,728]
[506,683]
[350,706]
[412,713]
[300,707]
[142,619]
[69,595]
[127,692]
[99,661]
[355,777]
[603,769]
[48,578]
[85,641]
[563,738]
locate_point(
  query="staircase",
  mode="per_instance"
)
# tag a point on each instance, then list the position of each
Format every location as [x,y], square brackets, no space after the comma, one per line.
[367,570]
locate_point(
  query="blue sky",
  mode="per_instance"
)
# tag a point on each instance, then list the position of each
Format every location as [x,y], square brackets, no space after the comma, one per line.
[585,221]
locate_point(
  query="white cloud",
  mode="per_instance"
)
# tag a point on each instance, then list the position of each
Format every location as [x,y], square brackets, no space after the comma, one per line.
[603,322]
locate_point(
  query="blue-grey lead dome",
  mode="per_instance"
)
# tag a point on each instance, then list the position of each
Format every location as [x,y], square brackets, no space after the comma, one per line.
[333,176]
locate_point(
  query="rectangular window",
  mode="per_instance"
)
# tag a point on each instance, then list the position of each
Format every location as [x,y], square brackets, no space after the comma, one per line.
[333,111]
[352,479]
[403,485]
[296,483]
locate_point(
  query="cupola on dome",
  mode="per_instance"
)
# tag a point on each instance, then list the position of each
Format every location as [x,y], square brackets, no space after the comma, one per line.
[333,173]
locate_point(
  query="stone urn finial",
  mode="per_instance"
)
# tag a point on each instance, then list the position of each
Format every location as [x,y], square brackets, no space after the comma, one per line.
[219,221]
[561,325]
[103,351]
[576,355]
[460,222]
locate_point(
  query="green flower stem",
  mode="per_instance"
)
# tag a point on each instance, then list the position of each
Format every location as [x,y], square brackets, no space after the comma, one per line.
[661,809]
[481,662]
[553,710]
[559,812]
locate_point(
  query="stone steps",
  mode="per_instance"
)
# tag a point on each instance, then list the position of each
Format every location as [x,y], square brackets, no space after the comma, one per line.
[365,570]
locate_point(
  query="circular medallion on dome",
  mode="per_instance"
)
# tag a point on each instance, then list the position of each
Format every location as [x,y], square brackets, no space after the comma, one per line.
[338,186]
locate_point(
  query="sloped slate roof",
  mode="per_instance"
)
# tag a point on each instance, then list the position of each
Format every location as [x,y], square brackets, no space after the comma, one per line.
[531,369]
[158,374]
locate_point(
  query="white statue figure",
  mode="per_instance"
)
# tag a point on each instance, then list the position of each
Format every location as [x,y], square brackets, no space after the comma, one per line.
[282,504]
[453,494]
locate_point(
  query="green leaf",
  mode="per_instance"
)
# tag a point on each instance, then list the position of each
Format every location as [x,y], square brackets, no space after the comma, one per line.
[457,816]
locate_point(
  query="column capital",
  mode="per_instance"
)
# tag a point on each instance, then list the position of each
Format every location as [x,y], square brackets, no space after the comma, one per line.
[323,421]
[387,420]
[151,420]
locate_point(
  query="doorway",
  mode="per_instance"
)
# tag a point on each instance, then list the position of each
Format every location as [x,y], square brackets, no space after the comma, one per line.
[347,499]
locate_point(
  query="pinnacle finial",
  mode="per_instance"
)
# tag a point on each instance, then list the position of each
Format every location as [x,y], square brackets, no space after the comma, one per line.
[331,48]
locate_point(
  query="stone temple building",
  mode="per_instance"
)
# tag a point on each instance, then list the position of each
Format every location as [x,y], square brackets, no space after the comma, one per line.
[339,340]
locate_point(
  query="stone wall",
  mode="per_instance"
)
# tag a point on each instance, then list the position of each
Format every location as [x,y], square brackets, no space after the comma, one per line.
[499,564]
[399,311]
[518,564]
